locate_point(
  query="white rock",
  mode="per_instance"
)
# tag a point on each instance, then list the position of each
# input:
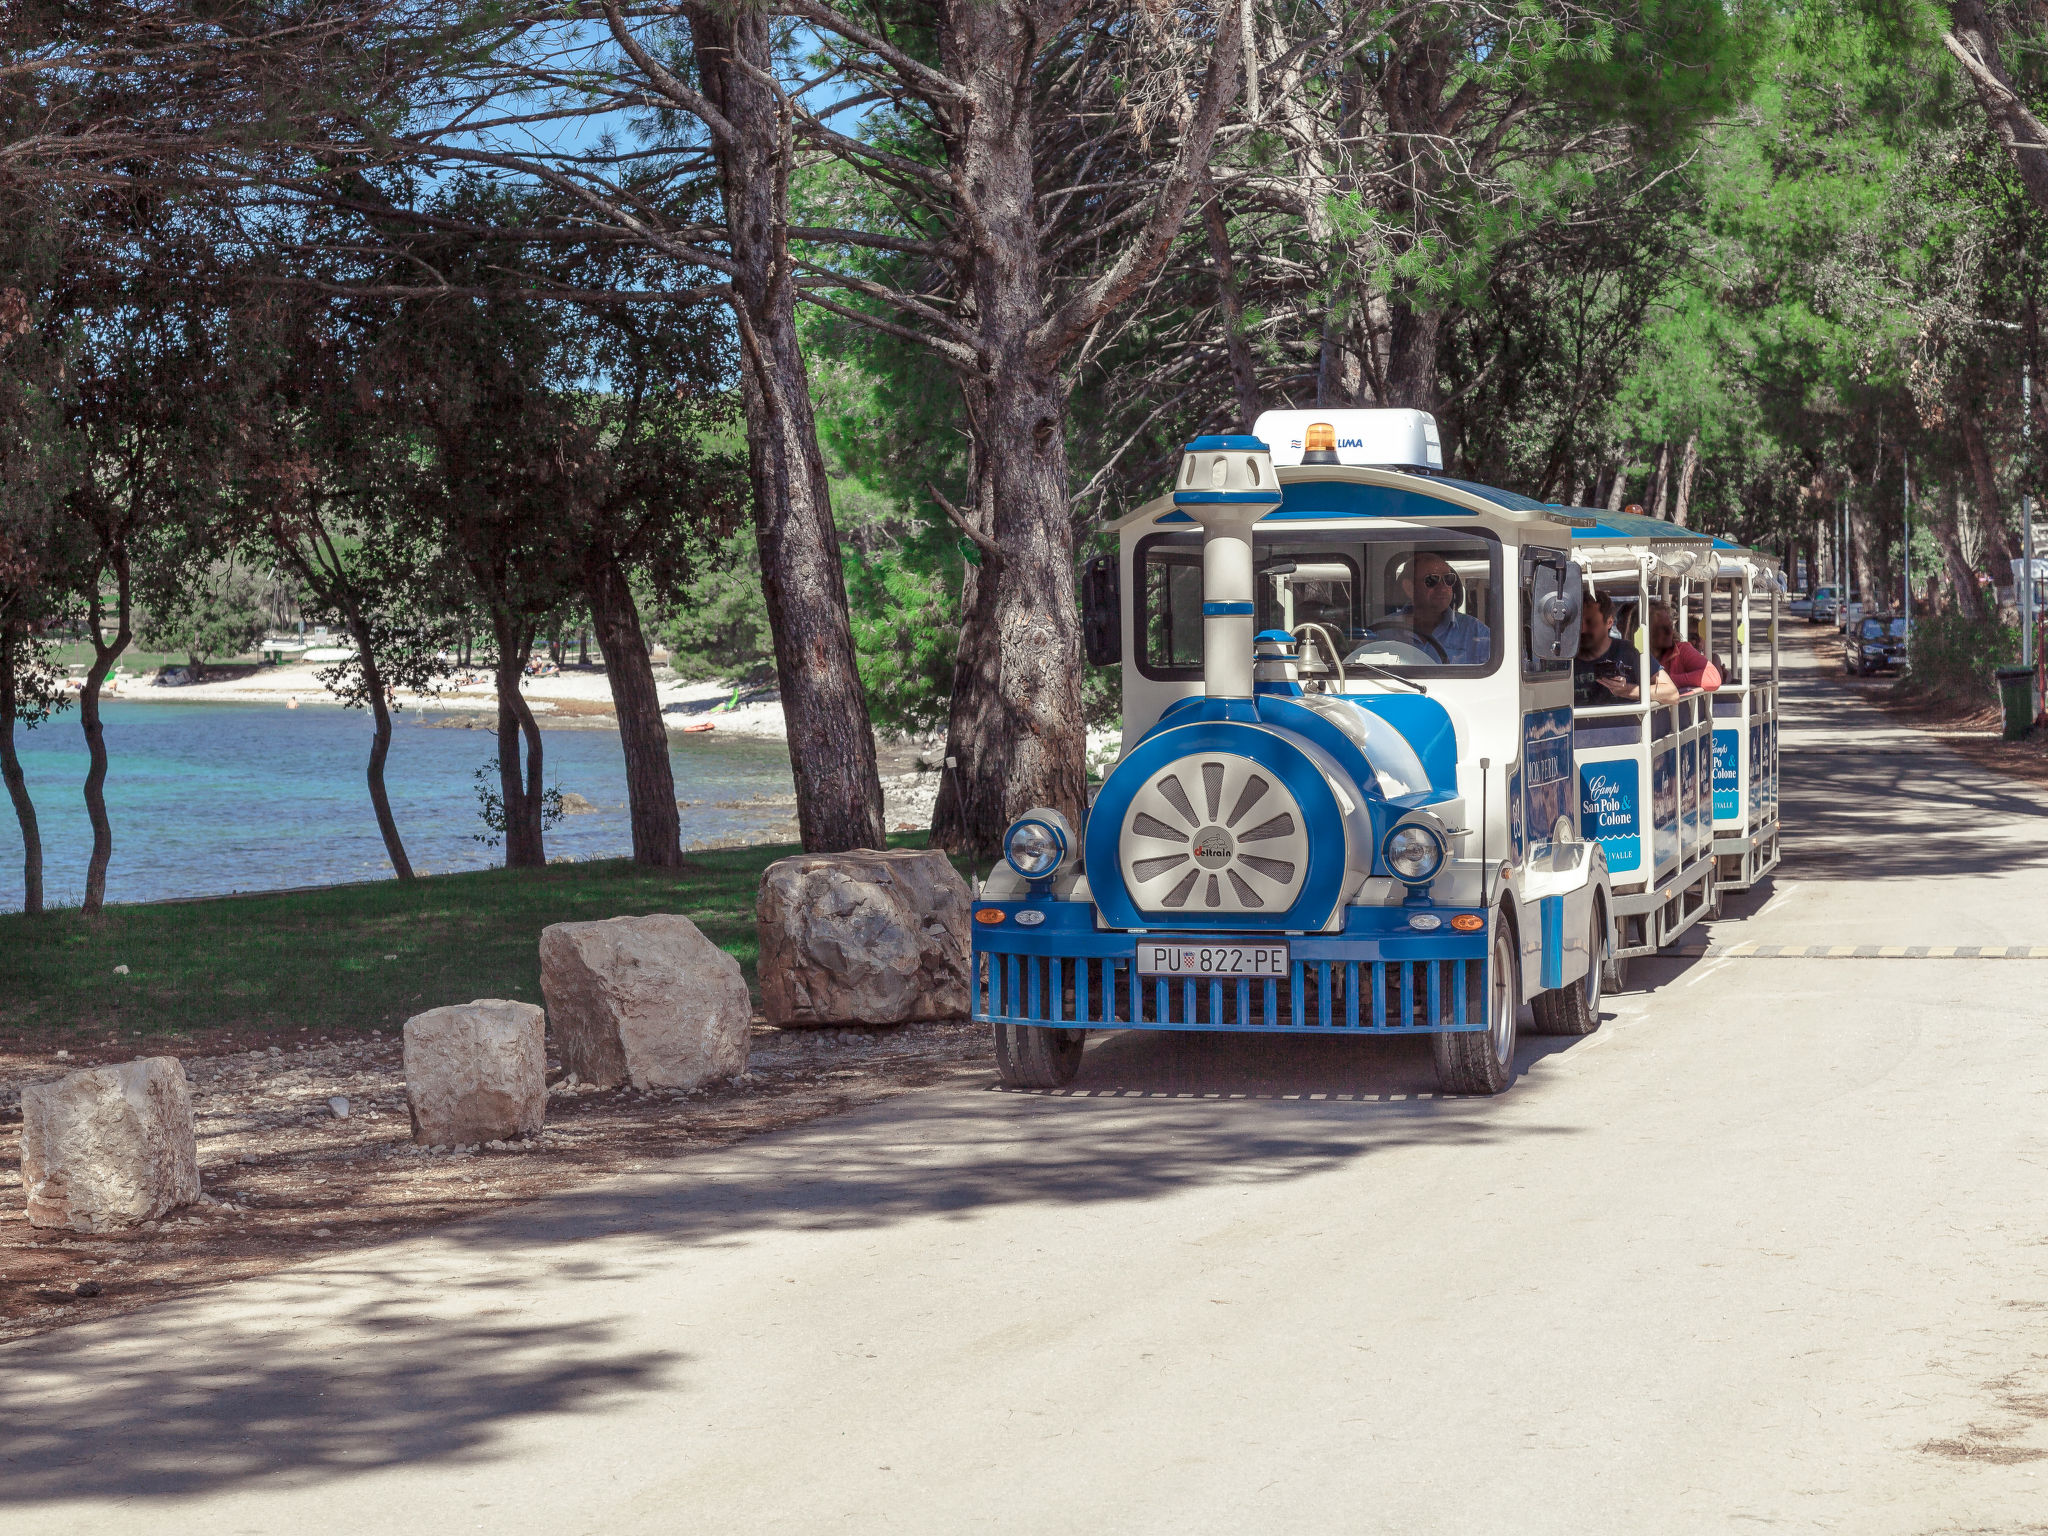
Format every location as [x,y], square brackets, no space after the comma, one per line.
[120,970]
[863,937]
[109,1147]
[338,1107]
[648,1000]
[476,1070]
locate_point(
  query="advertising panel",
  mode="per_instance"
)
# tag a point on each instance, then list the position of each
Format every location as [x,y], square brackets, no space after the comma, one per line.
[1610,809]
[1546,773]
[1664,810]
[1727,773]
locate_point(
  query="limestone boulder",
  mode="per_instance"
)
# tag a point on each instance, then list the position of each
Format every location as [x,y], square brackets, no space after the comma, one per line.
[863,938]
[646,1000]
[476,1072]
[109,1147]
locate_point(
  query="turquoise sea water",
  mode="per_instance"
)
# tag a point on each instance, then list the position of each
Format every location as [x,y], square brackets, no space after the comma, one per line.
[207,799]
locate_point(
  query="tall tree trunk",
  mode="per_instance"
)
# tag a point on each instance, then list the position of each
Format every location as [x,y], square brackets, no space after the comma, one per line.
[1969,600]
[1657,496]
[1023,741]
[1617,488]
[17,781]
[1974,40]
[1411,357]
[105,653]
[650,778]
[1244,376]
[519,788]
[803,586]
[1997,538]
[1688,466]
[380,744]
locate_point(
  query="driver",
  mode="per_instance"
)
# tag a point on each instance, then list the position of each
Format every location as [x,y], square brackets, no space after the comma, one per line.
[1432,609]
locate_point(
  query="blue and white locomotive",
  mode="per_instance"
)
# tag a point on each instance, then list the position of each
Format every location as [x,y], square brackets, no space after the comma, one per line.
[1347,802]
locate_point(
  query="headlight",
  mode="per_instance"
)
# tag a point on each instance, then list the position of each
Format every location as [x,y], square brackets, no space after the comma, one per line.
[1037,842]
[1414,852]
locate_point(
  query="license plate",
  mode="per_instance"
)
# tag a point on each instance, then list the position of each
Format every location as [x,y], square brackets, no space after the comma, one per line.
[1156,958]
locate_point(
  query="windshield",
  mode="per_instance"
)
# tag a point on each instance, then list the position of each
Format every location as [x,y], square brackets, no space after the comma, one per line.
[1877,629]
[1418,600]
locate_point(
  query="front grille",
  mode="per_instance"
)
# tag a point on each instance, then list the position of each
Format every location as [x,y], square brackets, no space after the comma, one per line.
[1382,996]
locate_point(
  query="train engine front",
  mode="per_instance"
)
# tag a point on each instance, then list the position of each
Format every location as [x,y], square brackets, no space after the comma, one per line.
[1265,858]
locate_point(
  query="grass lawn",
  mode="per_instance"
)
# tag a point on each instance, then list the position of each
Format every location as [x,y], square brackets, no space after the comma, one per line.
[352,957]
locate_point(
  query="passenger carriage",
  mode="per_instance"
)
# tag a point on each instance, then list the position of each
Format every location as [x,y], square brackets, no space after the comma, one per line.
[1745,601]
[1348,802]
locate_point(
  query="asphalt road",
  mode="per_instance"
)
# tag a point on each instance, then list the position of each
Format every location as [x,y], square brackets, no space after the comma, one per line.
[1770,1250]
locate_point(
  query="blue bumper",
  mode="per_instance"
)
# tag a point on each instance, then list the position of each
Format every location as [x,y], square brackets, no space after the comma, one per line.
[1373,978]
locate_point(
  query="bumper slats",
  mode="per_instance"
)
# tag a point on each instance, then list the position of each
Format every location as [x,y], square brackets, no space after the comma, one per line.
[1318,996]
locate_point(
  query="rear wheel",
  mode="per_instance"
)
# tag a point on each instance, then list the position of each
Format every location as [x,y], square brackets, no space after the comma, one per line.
[1575,1009]
[1483,1061]
[1031,1056]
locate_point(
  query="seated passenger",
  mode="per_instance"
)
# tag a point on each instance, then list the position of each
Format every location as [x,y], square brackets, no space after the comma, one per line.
[1431,611]
[1688,668]
[1610,668]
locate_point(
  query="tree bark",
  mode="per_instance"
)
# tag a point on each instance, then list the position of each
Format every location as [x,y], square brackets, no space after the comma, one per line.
[17,781]
[1688,466]
[1617,490]
[520,789]
[1244,376]
[1997,538]
[1411,357]
[1969,600]
[803,585]
[105,654]
[1017,731]
[650,778]
[380,745]
[1657,497]
[1974,41]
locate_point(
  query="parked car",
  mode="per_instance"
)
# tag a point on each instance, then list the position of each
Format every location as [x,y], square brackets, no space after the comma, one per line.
[1800,606]
[1876,644]
[1823,609]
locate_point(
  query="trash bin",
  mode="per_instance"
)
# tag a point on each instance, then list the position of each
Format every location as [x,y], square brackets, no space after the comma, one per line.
[2016,694]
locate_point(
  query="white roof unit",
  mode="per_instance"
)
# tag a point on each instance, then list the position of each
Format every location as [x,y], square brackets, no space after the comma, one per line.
[1375,439]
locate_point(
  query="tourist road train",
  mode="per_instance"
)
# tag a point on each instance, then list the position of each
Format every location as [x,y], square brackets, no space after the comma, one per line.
[1358,794]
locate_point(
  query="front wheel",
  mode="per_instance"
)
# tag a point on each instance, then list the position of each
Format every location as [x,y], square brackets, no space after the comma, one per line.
[1031,1056]
[1483,1061]
[1575,1009]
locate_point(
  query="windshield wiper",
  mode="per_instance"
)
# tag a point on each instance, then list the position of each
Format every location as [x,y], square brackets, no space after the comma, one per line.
[1385,674]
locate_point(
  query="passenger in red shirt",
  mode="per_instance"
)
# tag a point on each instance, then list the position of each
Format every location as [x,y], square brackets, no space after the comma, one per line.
[1688,668]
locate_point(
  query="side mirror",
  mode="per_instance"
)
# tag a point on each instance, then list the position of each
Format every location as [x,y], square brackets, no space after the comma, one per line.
[1102,611]
[1556,594]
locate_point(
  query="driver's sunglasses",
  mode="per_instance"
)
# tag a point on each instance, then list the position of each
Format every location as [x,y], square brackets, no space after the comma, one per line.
[1439,581]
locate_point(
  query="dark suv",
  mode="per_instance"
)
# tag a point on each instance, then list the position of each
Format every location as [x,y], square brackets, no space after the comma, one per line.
[1876,643]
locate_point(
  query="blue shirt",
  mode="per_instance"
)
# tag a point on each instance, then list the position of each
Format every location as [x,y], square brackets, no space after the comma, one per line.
[1466,642]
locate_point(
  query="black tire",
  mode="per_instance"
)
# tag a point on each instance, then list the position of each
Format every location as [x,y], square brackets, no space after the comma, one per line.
[1614,975]
[1030,1056]
[1482,1062]
[1575,1009]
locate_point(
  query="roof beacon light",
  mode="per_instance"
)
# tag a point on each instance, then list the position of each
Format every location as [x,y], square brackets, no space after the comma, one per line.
[1371,439]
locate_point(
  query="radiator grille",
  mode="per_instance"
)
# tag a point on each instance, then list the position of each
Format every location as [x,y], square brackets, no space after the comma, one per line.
[1380,996]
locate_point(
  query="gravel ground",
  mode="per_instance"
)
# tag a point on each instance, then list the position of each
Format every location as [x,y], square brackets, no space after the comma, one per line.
[285,1177]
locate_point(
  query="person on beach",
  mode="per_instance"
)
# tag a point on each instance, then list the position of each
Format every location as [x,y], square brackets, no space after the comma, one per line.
[1688,668]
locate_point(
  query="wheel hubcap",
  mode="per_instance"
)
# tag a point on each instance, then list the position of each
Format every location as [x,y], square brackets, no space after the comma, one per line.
[1503,1031]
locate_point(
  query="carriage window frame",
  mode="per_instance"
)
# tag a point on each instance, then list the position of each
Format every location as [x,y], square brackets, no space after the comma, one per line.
[1141,656]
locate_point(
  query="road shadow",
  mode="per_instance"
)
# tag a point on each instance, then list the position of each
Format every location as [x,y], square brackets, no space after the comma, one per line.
[240,1387]
[87,1414]
[1950,817]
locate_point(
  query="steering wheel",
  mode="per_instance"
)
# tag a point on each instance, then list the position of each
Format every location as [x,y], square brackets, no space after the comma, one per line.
[1405,637]
[1325,637]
